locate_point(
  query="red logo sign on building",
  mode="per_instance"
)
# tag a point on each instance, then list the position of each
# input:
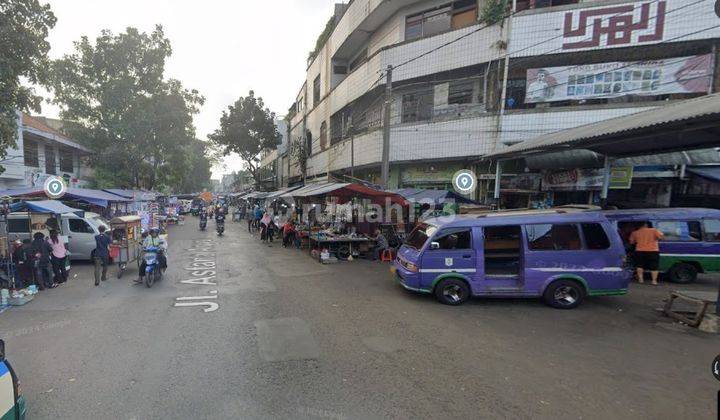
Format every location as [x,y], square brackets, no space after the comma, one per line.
[614,26]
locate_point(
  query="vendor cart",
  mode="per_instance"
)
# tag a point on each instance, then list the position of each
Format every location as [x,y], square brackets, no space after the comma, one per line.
[126,236]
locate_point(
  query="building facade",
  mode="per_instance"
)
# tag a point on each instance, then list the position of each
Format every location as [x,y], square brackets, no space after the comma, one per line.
[42,151]
[464,83]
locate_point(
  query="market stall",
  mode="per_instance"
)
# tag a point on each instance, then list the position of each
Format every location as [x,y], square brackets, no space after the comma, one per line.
[41,216]
[338,220]
[97,201]
[126,236]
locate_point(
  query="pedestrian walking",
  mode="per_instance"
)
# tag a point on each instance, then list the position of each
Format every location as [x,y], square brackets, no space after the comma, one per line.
[647,252]
[42,251]
[101,255]
[57,257]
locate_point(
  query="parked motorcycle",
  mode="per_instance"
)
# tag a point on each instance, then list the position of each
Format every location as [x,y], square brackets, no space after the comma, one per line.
[153,271]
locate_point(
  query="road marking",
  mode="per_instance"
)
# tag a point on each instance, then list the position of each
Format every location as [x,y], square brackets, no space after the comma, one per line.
[203,272]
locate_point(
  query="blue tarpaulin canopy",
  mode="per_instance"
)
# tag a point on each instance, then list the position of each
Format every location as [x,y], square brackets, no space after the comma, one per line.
[133,195]
[96,197]
[417,195]
[710,172]
[44,206]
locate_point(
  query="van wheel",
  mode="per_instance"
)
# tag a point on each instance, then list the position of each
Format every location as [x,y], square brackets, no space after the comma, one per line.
[564,294]
[452,292]
[682,273]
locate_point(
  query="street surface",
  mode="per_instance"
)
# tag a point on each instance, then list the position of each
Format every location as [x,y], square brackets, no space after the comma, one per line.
[286,337]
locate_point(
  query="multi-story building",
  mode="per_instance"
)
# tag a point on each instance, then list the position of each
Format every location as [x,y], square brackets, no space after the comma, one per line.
[42,151]
[467,81]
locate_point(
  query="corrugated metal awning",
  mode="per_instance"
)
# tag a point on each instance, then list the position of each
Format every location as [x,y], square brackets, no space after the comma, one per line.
[683,125]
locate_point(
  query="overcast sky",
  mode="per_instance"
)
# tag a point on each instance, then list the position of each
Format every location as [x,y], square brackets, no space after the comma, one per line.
[221,48]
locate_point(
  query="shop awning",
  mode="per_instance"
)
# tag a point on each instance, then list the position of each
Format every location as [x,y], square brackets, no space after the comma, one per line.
[678,126]
[418,195]
[279,193]
[346,191]
[710,172]
[44,206]
[96,197]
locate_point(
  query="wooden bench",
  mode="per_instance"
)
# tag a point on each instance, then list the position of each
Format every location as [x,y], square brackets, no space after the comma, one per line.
[692,314]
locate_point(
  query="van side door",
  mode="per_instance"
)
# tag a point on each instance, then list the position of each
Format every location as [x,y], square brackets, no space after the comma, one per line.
[81,240]
[682,242]
[453,253]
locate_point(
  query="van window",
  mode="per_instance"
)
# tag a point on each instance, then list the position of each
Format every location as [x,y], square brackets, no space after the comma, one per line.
[502,250]
[420,235]
[712,230]
[460,238]
[18,225]
[680,230]
[553,237]
[595,236]
[79,226]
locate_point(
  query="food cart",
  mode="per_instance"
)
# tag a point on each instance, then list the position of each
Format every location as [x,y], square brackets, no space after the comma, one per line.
[126,236]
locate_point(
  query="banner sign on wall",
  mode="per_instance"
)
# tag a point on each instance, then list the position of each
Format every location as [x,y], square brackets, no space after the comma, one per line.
[606,26]
[587,179]
[608,80]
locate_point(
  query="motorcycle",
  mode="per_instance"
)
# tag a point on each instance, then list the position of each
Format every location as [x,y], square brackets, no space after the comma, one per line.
[220,227]
[203,224]
[153,271]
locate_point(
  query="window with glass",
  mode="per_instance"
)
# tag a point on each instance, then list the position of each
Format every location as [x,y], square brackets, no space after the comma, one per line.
[455,15]
[66,160]
[595,236]
[548,237]
[79,226]
[30,153]
[459,238]
[417,106]
[461,92]
[50,160]
[420,235]
[680,231]
[711,230]
[18,225]
[316,91]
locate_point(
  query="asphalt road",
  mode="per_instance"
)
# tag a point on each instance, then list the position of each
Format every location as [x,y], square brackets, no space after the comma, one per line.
[291,338]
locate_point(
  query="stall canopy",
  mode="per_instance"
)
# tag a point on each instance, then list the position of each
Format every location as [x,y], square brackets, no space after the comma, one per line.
[280,193]
[709,172]
[95,197]
[133,195]
[346,191]
[44,206]
[418,195]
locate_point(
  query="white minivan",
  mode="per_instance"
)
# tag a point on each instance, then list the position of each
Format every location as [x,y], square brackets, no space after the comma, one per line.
[80,231]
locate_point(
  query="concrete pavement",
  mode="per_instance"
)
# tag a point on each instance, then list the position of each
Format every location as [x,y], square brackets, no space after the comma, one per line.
[291,338]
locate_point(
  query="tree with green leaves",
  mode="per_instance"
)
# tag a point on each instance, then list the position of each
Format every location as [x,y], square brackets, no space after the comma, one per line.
[24,27]
[247,128]
[138,123]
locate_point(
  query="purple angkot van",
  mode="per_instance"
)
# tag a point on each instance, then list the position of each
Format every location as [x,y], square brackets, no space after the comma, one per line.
[559,255]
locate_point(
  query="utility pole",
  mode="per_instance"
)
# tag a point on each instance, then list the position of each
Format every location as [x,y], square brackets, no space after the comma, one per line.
[352,151]
[385,170]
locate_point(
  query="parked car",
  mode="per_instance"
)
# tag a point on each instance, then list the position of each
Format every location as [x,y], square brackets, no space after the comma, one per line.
[80,231]
[692,238]
[559,255]
[12,403]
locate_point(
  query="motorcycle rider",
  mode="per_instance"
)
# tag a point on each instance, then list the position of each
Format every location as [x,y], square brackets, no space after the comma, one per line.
[203,218]
[154,240]
[220,217]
